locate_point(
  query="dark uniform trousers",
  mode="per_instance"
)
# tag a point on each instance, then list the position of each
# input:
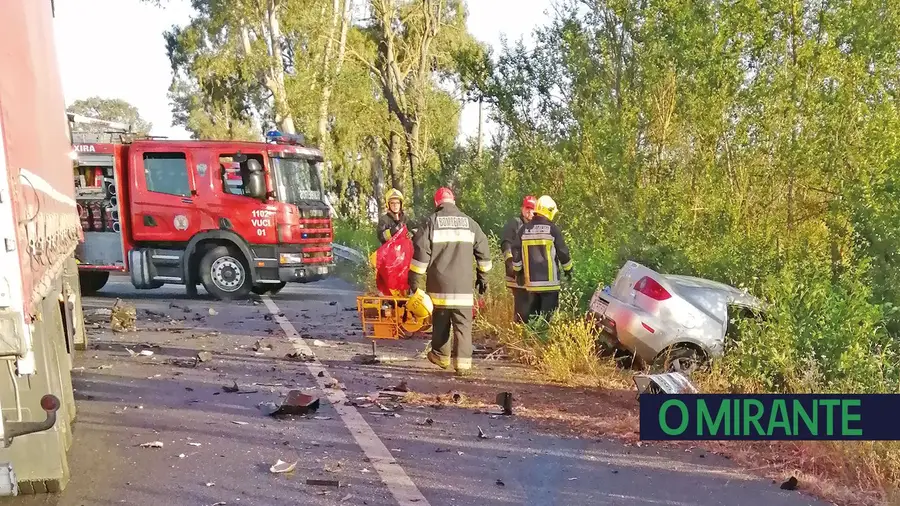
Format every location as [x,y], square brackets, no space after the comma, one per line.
[521,304]
[541,304]
[520,295]
[460,319]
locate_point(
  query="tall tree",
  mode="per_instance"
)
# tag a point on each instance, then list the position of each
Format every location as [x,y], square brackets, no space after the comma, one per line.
[109,109]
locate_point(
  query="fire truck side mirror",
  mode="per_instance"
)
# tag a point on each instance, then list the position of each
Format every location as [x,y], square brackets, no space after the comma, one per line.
[256,181]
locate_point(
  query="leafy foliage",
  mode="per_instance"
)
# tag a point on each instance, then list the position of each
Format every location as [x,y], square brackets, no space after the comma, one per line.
[109,109]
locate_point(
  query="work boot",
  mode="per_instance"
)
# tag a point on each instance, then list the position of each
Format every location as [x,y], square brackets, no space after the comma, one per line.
[465,373]
[443,363]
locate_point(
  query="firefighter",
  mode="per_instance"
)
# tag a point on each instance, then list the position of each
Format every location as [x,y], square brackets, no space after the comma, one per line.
[510,233]
[541,252]
[445,245]
[391,222]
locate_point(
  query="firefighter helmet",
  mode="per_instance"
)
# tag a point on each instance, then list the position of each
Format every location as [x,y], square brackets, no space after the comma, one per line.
[420,304]
[393,193]
[443,194]
[546,207]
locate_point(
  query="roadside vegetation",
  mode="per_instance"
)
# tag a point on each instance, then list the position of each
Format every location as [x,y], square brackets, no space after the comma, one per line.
[752,143]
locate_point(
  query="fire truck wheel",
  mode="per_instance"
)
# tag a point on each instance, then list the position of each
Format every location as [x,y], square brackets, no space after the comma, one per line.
[225,274]
[274,289]
[92,281]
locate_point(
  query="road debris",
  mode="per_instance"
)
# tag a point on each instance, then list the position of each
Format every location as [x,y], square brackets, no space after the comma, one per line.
[500,483]
[427,421]
[282,467]
[481,434]
[123,317]
[666,383]
[231,389]
[181,455]
[213,312]
[323,483]
[236,422]
[196,444]
[299,356]
[210,484]
[322,344]
[153,444]
[791,484]
[505,401]
[259,345]
[402,387]
[296,403]
[204,356]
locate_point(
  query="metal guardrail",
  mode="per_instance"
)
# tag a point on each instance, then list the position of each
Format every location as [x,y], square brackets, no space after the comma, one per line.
[349,254]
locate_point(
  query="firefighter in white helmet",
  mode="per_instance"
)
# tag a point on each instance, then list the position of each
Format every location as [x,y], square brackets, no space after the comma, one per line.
[540,255]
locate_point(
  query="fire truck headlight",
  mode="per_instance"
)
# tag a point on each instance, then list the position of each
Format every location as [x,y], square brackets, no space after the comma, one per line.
[291,258]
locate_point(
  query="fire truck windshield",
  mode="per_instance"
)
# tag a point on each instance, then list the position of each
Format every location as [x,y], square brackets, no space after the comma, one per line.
[297,180]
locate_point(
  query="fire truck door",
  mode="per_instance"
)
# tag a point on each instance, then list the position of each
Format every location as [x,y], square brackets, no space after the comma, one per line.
[162,196]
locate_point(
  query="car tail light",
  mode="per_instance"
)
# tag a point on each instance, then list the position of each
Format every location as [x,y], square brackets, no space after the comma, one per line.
[649,287]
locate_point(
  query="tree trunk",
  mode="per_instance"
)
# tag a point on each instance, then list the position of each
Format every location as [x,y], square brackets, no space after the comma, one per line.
[377,175]
[395,166]
[326,73]
[412,143]
[283,116]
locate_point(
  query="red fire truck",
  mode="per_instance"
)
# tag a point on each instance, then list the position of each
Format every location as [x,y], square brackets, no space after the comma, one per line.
[232,216]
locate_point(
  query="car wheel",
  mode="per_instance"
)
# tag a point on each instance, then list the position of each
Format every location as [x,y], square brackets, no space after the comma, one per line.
[224,273]
[683,359]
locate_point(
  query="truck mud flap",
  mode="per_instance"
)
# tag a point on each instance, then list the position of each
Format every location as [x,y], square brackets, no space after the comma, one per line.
[151,268]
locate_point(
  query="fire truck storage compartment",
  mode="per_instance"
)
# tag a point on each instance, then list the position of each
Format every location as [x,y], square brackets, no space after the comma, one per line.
[96,193]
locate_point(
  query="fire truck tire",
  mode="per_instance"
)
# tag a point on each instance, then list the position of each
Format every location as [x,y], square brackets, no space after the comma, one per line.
[92,281]
[225,274]
[274,289]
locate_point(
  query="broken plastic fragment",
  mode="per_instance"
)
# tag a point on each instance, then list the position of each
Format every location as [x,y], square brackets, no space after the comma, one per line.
[153,444]
[282,467]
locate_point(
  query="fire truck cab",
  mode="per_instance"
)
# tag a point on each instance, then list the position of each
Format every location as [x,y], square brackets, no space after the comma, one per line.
[232,216]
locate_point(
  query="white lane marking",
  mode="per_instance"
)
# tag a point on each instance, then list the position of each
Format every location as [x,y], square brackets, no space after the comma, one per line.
[400,485]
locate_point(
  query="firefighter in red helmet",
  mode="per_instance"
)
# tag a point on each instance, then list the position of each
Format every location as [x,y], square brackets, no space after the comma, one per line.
[445,245]
[541,251]
[507,239]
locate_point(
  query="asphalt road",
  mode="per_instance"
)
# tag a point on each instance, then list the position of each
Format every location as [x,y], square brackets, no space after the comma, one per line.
[218,446]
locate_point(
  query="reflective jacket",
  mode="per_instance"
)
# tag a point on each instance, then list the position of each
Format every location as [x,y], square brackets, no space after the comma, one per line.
[507,240]
[388,226]
[445,246]
[541,251]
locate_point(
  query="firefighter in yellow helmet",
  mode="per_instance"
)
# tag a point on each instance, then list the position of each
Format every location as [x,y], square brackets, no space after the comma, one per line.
[392,220]
[540,254]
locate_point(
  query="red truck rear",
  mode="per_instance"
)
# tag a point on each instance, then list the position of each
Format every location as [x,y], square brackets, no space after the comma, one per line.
[39,230]
[232,216]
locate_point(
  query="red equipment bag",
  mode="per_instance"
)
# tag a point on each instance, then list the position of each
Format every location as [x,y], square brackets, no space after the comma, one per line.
[392,261]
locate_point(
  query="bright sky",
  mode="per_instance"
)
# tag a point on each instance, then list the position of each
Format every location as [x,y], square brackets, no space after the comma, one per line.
[115,49]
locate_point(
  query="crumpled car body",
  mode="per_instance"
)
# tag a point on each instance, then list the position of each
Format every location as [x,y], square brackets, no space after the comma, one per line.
[672,322]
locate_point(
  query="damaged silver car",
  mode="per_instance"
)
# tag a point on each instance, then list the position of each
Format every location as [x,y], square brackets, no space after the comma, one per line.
[672,323]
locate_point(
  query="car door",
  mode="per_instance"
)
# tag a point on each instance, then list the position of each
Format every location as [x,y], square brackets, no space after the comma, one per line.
[163,194]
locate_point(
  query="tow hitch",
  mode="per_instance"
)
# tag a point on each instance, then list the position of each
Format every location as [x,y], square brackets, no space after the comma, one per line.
[50,405]
[9,486]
